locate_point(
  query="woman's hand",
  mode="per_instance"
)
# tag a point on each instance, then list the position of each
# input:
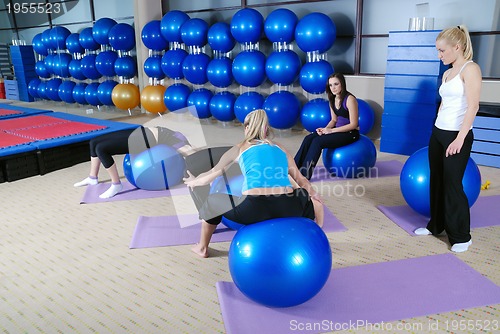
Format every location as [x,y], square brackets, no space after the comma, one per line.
[190,181]
[454,147]
[323,131]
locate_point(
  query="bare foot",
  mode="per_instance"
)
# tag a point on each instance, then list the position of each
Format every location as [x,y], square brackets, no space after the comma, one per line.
[200,251]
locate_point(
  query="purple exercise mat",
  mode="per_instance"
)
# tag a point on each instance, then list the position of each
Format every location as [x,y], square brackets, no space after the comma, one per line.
[484,212]
[354,297]
[381,169]
[166,231]
[128,193]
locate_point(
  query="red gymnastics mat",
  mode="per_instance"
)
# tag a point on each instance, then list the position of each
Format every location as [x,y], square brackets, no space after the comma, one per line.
[58,130]
[7,112]
[8,140]
[29,122]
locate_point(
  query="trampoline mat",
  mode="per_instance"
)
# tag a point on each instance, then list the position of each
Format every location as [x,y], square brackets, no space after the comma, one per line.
[57,130]
[8,140]
[29,122]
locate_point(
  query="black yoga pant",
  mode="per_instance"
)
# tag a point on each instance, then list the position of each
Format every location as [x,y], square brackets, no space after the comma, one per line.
[310,150]
[252,209]
[449,204]
[109,144]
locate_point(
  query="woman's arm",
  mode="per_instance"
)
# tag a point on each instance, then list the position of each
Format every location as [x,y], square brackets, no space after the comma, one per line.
[352,106]
[330,125]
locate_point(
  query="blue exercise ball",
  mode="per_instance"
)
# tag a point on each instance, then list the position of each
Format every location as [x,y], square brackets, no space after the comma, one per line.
[194,68]
[366,117]
[89,69]
[41,69]
[101,28]
[220,38]
[151,36]
[230,186]
[87,40]
[122,37]
[283,67]
[352,160]
[46,39]
[66,91]
[219,72]
[53,89]
[315,32]
[200,100]
[194,32]
[61,64]
[42,90]
[104,92]
[247,25]
[176,97]
[49,63]
[33,87]
[414,182]
[75,69]
[314,75]
[249,68]
[158,168]
[152,67]
[315,114]
[280,24]
[58,37]
[280,262]
[39,46]
[105,63]
[282,109]
[246,103]
[73,43]
[91,94]
[79,93]
[222,106]
[171,24]
[171,63]
[125,66]
[127,170]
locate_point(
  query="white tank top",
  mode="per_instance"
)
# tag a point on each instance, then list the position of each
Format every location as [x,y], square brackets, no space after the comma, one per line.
[453,103]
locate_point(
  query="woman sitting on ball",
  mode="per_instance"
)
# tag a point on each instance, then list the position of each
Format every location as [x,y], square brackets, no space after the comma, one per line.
[267,189]
[342,105]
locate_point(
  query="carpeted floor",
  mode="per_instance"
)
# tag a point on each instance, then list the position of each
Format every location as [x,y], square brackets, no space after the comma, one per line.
[66,267]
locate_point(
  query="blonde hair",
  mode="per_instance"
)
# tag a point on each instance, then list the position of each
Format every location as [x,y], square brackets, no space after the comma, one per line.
[258,126]
[458,35]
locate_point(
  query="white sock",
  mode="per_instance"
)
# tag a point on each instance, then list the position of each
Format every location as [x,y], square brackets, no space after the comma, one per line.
[422,231]
[461,247]
[88,181]
[112,191]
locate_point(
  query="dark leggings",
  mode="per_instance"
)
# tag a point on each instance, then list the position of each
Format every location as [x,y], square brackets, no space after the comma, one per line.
[310,150]
[109,144]
[449,204]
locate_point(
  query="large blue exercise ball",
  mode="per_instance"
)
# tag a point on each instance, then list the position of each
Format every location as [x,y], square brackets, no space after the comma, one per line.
[42,90]
[230,186]
[105,63]
[247,25]
[125,66]
[414,182]
[282,109]
[33,87]
[66,91]
[314,75]
[280,262]
[194,68]
[199,99]
[87,40]
[75,69]
[171,24]
[101,28]
[122,37]
[104,92]
[61,64]
[152,67]
[58,37]
[127,170]
[158,168]
[79,93]
[91,94]
[352,160]
[41,69]
[246,103]
[89,69]
[50,62]
[38,45]
[220,38]
[283,67]
[366,117]
[280,24]
[176,97]
[249,68]
[151,36]
[222,106]
[45,39]
[194,32]
[73,43]
[171,63]
[315,114]
[52,89]
[219,72]
[315,32]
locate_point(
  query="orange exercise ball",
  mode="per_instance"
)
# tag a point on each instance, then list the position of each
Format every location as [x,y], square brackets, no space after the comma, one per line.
[152,98]
[126,96]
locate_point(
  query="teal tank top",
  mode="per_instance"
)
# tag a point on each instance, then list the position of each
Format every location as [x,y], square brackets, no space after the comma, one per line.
[264,166]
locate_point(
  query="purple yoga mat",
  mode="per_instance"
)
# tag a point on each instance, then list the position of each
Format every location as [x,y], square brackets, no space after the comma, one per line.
[381,169]
[355,297]
[128,193]
[484,212]
[166,231]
